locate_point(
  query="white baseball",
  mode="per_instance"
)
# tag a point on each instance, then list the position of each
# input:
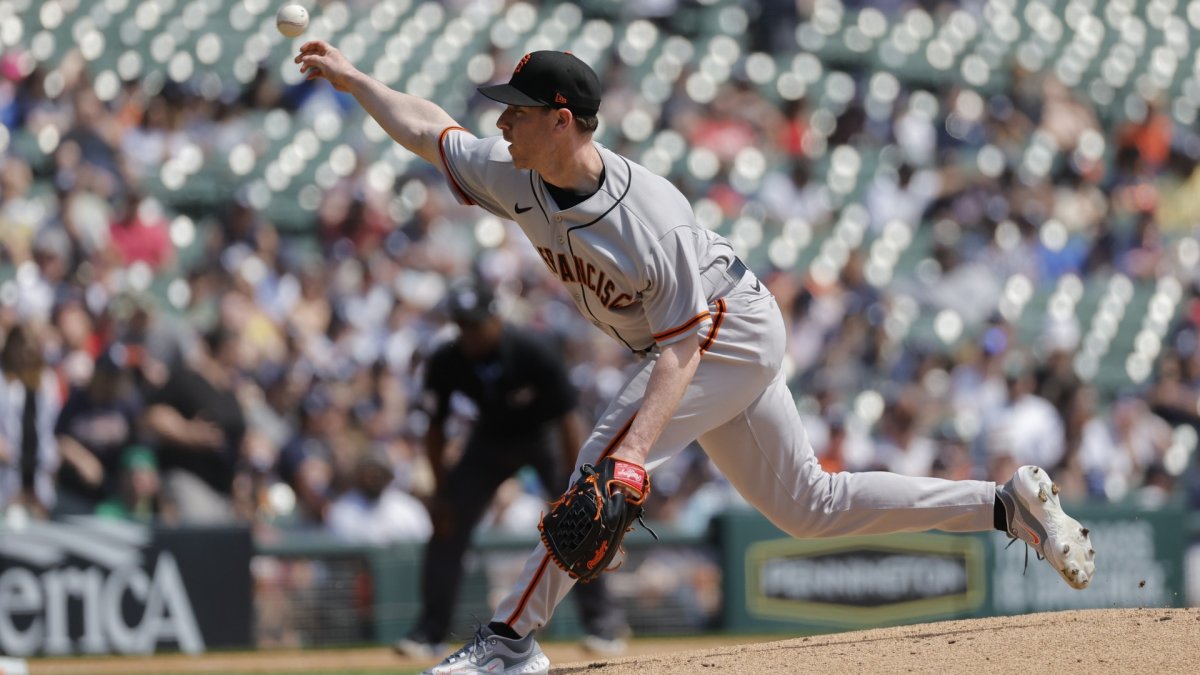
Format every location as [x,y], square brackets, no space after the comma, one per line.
[291,20]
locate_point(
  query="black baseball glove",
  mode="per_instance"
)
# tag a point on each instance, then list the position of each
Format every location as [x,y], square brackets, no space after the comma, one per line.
[584,528]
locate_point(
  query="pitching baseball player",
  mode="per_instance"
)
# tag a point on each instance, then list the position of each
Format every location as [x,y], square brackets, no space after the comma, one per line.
[627,246]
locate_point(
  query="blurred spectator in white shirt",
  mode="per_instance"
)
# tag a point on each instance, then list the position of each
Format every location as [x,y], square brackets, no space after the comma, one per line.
[1028,429]
[1116,451]
[901,447]
[375,511]
[29,406]
[795,196]
[514,510]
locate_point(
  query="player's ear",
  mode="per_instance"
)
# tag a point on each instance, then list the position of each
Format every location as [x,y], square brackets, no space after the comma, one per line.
[564,118]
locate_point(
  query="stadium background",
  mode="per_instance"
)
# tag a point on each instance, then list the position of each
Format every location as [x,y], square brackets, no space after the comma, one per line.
[979,218]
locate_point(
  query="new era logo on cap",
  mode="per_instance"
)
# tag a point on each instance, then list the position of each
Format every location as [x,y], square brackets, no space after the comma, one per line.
[550,79]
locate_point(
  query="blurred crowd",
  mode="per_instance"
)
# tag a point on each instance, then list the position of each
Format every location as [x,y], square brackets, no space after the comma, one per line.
[215,368]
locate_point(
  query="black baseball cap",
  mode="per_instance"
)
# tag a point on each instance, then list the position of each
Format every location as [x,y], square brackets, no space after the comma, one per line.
[470,300]
[550,79]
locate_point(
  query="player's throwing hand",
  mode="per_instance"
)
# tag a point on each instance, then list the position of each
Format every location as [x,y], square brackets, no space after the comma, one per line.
[319,59]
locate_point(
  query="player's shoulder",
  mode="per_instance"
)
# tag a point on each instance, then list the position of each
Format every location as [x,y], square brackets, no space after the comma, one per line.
[653,198]
[490,148]
[641,181]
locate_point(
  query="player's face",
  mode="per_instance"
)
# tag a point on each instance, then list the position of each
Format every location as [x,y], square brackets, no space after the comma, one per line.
[526,129]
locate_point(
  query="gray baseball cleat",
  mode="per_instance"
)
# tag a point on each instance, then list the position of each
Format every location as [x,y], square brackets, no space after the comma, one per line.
[495,655]
[1035,516]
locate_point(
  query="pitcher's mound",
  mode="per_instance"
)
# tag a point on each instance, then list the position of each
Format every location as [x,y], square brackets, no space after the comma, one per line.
[1088,641]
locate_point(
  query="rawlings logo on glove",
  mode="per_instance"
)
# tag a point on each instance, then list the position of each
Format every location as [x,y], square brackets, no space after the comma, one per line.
[630,474]
[584,528]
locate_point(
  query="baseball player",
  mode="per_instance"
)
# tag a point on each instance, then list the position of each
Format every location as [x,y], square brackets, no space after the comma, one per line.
[627,246]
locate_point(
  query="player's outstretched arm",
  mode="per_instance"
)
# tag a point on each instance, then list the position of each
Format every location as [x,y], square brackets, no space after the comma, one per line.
[673,372]
[411,121]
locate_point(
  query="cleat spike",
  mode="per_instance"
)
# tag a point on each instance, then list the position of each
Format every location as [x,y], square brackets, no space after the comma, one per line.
[1085,531]
[1042,494]
[1091,552]
[1066,549]
[1054,488]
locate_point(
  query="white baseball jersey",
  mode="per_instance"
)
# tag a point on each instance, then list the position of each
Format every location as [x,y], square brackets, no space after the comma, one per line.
[632,255]
[645,272]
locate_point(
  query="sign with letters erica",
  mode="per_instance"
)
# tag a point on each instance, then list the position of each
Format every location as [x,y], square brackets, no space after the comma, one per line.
[95,586]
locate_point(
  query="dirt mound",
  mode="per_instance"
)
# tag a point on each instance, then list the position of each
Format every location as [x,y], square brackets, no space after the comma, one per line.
[1088,641]
[1092,641]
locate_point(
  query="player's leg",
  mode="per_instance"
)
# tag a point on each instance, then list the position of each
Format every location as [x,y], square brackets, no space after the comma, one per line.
[457,508]
[603,621]
[765,454]
[542,585]
[761,447]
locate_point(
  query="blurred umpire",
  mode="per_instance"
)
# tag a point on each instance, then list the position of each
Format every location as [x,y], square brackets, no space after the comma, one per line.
[526,404]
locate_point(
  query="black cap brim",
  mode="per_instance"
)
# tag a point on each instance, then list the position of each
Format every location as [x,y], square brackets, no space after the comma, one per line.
[510,95]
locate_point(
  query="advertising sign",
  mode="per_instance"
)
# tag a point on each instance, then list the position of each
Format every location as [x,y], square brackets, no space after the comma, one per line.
[775,582]
[861,581]
[95,586]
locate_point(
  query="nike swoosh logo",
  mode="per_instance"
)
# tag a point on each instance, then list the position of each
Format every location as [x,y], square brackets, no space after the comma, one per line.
[757,286]
[518,209]
[1036,539]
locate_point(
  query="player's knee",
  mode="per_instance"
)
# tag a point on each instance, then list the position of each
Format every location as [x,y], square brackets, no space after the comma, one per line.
[812,509]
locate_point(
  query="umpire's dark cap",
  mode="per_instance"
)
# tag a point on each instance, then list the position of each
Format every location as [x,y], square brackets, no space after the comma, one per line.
[470,300]
[550,79]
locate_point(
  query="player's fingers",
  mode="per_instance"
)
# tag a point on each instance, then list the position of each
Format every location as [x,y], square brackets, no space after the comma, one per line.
[311,70]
